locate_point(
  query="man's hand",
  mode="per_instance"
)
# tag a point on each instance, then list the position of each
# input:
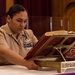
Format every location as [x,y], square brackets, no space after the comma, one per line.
[31,65]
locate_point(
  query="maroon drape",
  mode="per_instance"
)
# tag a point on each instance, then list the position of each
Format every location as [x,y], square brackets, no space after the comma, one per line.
[39,13]
[36,7]
[2,12]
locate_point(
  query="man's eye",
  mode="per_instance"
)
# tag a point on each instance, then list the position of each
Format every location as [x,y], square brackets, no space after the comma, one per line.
[25,21]
[19,21]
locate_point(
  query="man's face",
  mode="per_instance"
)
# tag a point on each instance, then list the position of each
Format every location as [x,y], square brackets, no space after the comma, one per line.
[18,22]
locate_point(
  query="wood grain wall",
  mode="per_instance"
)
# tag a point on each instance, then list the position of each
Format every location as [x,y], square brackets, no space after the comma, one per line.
[9,3]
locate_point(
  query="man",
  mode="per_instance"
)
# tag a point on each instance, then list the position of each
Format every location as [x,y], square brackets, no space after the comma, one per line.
[13,37]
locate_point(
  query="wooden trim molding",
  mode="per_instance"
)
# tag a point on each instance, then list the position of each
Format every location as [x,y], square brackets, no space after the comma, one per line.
[8,4]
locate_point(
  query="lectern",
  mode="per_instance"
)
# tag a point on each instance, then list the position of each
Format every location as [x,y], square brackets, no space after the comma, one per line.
[56,50]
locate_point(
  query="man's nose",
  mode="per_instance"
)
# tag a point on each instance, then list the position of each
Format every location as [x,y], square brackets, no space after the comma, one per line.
[22,24]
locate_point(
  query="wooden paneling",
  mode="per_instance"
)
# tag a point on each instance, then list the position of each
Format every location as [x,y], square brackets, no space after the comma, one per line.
[63,10]
[8,4]
[70,13]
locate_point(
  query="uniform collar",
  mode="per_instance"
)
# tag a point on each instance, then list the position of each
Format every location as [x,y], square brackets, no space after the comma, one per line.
[9,32]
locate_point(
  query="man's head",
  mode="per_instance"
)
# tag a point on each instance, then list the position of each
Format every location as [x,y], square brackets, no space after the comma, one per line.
[15,9]
[17,17]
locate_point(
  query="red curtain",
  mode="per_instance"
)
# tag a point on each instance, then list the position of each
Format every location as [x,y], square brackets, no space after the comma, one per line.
[39,14]
[36,7]
[2,12]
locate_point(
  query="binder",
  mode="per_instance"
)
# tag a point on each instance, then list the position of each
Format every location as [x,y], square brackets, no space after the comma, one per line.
[55,43]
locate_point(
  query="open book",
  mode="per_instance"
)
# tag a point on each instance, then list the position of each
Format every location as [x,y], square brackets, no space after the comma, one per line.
[55,43]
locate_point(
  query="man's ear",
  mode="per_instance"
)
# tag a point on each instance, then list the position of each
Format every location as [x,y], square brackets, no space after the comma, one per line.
[8,18]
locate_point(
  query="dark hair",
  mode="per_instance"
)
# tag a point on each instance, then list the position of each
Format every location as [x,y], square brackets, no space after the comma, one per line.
[15,9]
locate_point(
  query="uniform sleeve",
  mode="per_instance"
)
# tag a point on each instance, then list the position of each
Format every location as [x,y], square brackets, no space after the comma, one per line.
[3,43]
